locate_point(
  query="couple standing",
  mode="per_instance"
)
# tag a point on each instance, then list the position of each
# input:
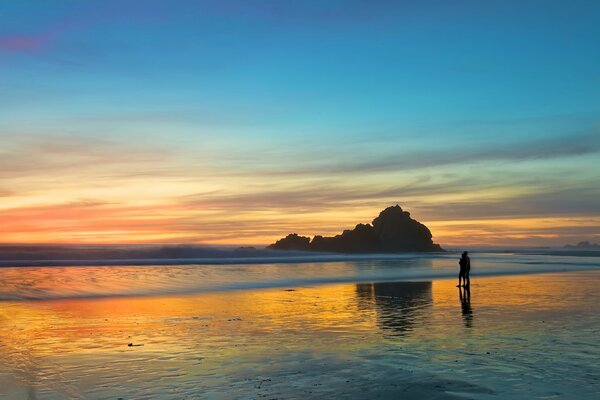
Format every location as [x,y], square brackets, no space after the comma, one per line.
[465,268]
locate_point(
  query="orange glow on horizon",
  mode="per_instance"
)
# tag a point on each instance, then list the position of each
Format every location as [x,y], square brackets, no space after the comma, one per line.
[89,223]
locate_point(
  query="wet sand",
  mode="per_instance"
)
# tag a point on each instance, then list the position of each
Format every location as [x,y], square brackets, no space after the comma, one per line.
[518,337]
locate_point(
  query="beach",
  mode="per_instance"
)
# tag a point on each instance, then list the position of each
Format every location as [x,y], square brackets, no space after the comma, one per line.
[518,336]
[248,200]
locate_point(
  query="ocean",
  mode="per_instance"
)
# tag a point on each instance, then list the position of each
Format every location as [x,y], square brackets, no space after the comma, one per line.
[308,326]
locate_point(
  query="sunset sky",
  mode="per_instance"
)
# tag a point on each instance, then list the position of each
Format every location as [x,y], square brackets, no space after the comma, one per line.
[239,121]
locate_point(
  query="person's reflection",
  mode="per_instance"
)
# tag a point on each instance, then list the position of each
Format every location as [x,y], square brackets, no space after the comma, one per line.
[398,304]
[465,302]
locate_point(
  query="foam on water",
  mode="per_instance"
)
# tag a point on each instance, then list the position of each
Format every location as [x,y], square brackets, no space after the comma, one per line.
[47,282]
[510,337]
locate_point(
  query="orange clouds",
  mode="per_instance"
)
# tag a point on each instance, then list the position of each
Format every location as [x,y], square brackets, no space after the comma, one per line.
[89,222]
[64,189]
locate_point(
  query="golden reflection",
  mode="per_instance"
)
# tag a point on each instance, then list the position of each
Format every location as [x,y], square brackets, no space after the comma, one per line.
[210,333]
[169,324]
[207,336]
[526,293]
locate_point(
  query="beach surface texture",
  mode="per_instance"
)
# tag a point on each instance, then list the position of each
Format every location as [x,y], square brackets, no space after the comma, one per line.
[365,328]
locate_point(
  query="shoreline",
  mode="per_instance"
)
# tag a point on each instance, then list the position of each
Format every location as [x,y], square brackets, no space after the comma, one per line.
[297,284]
[512,337]
[289,259]
[292,257]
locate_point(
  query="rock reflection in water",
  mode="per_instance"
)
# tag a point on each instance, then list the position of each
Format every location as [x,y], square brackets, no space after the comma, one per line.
[399,305]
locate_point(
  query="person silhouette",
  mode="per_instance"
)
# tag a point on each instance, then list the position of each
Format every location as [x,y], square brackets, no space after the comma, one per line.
[465,269]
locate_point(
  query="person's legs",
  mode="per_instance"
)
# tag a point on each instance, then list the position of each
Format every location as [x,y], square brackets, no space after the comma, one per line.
[467,279]
[460,275]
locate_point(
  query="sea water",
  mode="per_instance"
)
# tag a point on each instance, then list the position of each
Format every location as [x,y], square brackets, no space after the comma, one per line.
[204,275]
[351,327]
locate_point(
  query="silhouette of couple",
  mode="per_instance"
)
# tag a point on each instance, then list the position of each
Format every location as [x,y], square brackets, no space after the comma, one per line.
[465,268]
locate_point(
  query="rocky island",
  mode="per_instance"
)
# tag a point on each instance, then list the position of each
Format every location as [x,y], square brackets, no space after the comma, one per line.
[393,231]
[585,245]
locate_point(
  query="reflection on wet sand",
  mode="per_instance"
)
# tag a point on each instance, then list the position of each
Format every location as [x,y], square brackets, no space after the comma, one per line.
[399,305]
[377,340]
[465,301]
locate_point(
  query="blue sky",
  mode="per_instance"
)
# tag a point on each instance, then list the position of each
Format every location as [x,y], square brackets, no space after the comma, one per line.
[465,111]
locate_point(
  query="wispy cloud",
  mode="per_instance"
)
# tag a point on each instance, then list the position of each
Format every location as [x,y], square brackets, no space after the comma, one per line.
[494,151]
[550,231]
[22,43]
[575,200]
[332,12]
[67,155]
[80,18]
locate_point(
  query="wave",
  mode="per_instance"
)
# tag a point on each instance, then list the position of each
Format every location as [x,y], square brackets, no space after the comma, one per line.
[293,258]
[38,283]
[121,255]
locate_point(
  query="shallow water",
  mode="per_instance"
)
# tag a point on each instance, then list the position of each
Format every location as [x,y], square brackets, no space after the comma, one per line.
[515,336]
[46,283]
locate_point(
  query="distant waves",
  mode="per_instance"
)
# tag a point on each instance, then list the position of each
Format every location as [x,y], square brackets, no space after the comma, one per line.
[85,280]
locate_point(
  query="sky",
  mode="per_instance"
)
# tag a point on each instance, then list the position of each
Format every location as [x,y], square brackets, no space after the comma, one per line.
[240,121]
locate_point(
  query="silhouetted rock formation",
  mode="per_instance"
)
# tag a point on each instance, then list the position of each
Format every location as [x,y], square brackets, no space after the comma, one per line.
[361,239]
[583,245]
[292,242]
[393,231]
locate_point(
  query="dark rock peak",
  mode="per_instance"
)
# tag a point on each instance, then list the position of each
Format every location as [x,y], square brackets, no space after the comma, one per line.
[246,248]
[392,231]
[361,239]
[292,242]
[586,244]
[398,231]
